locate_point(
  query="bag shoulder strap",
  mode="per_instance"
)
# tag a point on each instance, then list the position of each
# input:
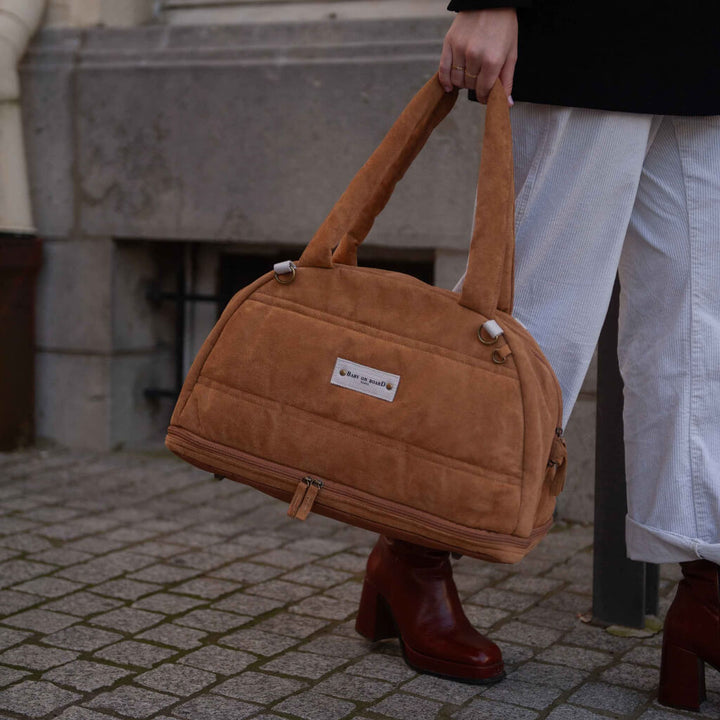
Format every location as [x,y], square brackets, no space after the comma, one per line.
[489,282]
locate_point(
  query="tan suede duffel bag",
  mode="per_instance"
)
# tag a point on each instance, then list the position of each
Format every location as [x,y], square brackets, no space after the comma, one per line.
[376,399]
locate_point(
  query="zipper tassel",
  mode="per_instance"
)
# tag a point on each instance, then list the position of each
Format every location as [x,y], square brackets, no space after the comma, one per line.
[304,497]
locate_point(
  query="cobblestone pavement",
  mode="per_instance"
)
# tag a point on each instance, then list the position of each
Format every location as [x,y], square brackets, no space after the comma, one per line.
[134,586]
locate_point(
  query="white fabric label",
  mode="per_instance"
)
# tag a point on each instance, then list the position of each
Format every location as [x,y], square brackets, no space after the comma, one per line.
[365,379]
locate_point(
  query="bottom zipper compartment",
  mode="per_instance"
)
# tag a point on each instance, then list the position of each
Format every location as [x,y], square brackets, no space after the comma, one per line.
[355,507]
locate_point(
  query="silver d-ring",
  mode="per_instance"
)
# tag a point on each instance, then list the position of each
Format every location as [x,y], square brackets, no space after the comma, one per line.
[491,341]
[289,280]
[497,357]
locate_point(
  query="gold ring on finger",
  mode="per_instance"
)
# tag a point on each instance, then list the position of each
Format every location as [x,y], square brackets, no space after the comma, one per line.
[470,75]
[459,67]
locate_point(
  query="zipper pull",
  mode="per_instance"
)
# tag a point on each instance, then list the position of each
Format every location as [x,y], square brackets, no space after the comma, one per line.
[304,497]
[557,465]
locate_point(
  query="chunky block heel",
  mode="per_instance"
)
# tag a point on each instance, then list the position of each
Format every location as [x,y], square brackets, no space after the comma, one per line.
[374,619]
[682,678]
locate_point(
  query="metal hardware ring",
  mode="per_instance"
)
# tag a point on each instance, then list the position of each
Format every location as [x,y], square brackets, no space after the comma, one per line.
[492,341]
[289,280]
[497,358]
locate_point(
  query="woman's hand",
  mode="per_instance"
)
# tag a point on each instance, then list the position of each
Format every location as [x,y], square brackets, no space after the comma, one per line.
[480,46]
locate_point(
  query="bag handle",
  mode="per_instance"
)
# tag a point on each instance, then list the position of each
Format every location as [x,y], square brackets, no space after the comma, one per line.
[489,282]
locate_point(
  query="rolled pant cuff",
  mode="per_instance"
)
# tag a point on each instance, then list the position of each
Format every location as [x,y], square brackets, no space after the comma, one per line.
[649,544]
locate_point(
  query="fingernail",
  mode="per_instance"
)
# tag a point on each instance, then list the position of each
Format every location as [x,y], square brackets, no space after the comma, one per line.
[510,100]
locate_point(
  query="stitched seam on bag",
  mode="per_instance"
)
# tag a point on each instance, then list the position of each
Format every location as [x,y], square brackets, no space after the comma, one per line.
[384,335]
[364,435]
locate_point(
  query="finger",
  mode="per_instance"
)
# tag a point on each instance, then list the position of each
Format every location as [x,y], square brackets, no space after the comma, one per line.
[486,79]
[445,67]
[506,76]
[457,71]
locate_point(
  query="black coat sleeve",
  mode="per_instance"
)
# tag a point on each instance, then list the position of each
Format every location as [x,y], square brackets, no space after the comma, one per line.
[458,5]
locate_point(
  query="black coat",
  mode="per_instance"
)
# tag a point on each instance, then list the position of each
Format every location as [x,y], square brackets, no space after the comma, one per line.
[642,56]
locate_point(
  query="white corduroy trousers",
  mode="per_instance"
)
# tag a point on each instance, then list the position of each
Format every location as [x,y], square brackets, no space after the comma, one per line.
[599,193]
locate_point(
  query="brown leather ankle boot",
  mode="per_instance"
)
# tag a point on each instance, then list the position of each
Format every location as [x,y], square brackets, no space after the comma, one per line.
[409,593]
[691,636]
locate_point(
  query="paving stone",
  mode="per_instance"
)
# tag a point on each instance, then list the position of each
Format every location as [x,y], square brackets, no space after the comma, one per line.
[167,603]
[163,574]
[503,599]
[214,707]
[192,538]
[385,667]
[125,589]
[354,687]
[575,657]
[11,525]
[557,676]
[175,635]
[16,571]
[324,607]
[514,654]
[159,549]
[131,535]
[640,678]
[80,637]
[213,620]
[219,660]
[335,646]
[11,601]
[35,699]
[284,558]
[259,687]
[573,712]
[83,604]
[610,698]
[661,713]
[315,706]
[127,619]
[50,514]
[199,560]
[42,621]
[598,638]
[298,626]
[76,528]
[25,543]
[246,572]
[134,653]
[491,710]
[484,617]
[317,576]
[257,641]
[643,655]
[49,587]
[527,584]
[347,561]
[550,618]
[208,588]
[86,676]
[8,676]
[350,591]
[6,554]
[133,702]
[94,545]
[8,637]
[78,713]
[516,692]
[446,691]
[176,679]
[61,556]
[253,605]
[534,635]
[305,665]
[406,707]
[35,657]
